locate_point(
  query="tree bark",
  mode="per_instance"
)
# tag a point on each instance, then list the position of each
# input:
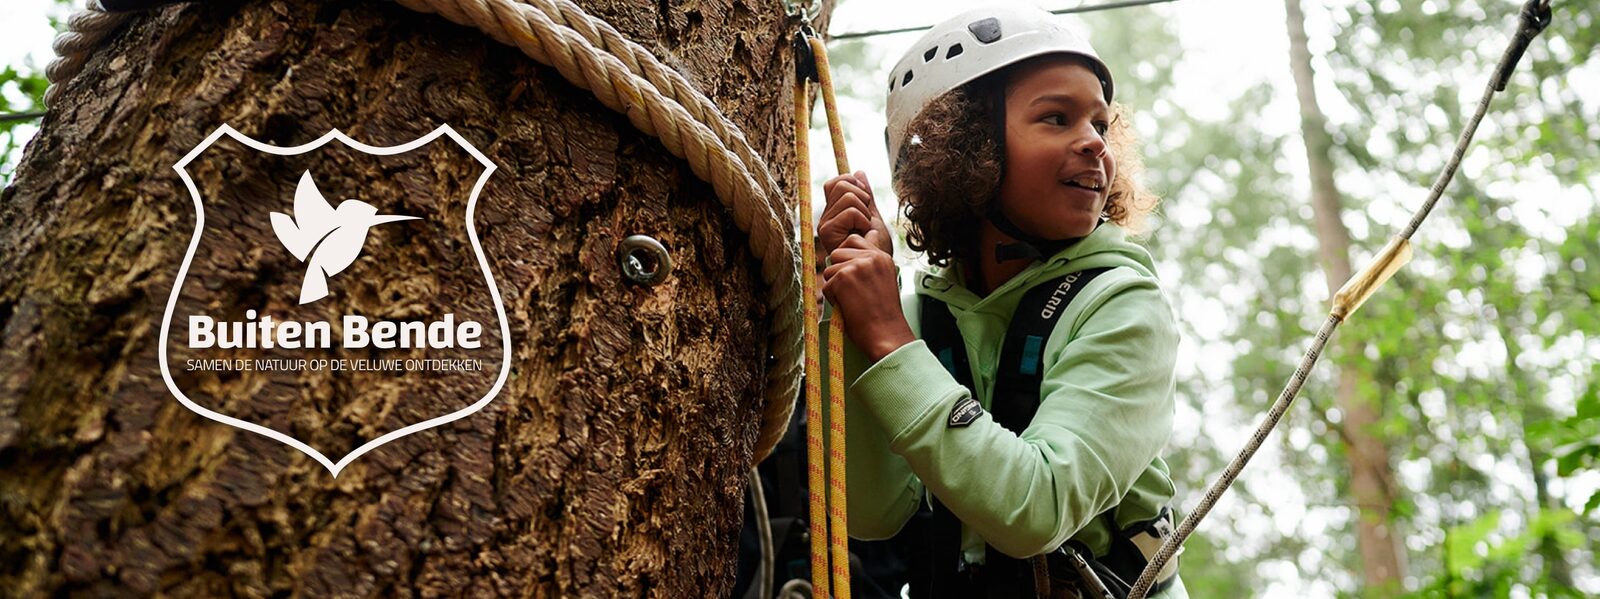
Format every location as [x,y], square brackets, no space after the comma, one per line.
[613,463]
[1371,477]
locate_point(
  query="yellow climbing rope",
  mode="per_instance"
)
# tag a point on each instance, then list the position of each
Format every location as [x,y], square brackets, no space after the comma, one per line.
[836,498]
[808,286]
[829,508]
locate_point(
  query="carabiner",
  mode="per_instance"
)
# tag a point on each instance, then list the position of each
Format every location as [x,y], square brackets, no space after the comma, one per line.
[793,10]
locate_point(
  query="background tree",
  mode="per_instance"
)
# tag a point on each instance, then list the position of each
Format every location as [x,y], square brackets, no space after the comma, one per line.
[1366,451]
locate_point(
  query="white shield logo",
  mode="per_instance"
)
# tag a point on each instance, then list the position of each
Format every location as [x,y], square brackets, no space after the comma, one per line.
[302,310]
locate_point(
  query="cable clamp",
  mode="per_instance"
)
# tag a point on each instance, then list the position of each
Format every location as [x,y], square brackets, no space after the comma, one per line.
[1360,287]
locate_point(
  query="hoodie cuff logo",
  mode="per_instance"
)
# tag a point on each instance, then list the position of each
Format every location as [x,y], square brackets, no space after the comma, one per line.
[966,411]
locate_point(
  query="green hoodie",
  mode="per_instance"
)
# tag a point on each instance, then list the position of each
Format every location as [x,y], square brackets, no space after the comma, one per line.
[1105,413]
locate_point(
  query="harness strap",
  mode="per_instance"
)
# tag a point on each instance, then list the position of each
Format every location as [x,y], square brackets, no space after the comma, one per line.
[946,575]
[1014,403]
[1021,373]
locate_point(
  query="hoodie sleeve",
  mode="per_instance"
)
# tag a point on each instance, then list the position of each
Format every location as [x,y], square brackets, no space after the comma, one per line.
[882,491]
[1105,412]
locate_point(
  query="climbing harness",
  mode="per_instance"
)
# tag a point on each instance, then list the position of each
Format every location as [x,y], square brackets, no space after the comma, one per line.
[588,52]
[811,63]
[1534,17]
[1013,402]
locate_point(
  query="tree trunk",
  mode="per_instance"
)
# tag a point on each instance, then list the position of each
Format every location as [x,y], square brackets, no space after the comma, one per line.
[613,462]
[1371,479]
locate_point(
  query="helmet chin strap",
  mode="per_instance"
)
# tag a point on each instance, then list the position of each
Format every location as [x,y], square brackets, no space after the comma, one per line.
[1027,246]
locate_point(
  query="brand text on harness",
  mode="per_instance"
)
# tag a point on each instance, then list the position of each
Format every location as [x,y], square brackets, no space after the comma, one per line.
[1050,307]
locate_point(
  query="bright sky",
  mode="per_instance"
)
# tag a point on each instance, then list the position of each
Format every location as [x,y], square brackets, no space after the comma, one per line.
[24,30]
[1229,46]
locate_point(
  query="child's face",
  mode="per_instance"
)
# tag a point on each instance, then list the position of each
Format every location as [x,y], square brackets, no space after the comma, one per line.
[1056,118]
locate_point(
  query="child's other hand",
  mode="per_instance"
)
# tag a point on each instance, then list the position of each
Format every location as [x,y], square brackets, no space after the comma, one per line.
[850,209]
[860,281]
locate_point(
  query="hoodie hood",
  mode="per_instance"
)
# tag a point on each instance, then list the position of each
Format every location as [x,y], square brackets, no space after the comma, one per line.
[1106,246]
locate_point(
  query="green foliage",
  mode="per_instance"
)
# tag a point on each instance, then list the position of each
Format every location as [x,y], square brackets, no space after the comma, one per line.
[1576,439]
[20,91]
[1480,559]
[1480,355]
[1208,570]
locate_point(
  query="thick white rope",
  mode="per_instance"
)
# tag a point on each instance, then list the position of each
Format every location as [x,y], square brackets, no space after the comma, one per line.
[86,29]
[659,101]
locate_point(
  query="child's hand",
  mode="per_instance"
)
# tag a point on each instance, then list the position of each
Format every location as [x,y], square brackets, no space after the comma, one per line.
[860,281]
[850,209]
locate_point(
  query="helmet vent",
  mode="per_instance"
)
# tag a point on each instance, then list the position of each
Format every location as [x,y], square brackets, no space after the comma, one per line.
[932,52]
[954,51]
[987,31]
[906,80]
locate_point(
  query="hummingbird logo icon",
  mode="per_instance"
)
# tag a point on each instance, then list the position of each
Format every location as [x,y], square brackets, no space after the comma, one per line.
[331,238]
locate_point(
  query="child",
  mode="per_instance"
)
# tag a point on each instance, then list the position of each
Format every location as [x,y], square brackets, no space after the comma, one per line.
[1020,391]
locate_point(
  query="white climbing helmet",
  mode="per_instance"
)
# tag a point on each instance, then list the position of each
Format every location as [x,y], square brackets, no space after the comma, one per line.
[970,45]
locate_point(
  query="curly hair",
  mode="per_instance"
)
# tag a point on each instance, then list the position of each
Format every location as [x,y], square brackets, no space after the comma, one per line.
[948,174]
